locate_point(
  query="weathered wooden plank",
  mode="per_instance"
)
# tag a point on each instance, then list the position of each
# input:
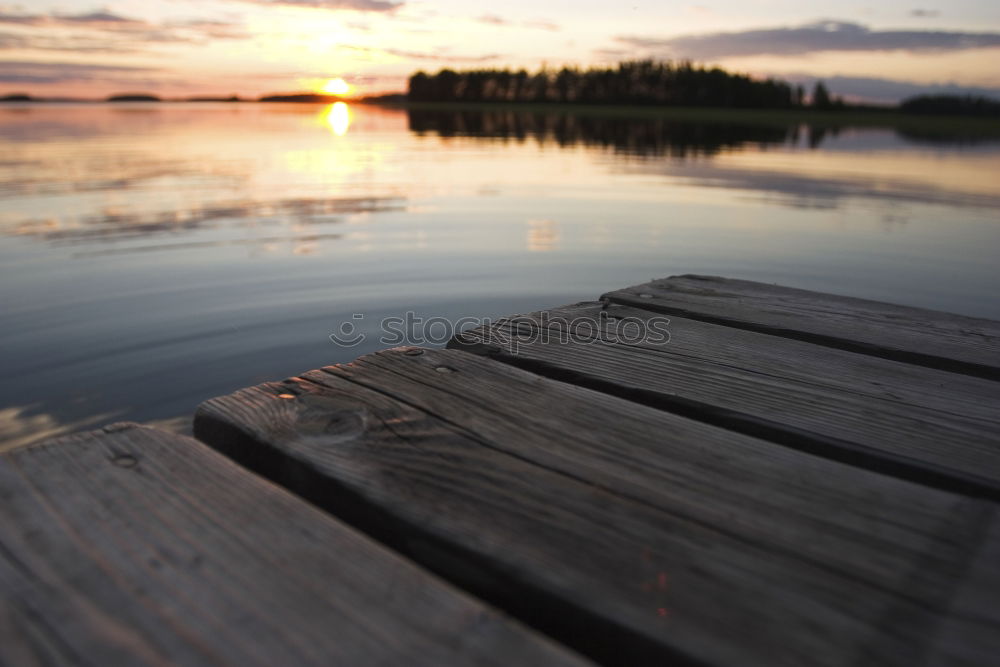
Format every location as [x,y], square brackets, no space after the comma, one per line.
[137,547]
[939,340]
[915,422]
[636,535]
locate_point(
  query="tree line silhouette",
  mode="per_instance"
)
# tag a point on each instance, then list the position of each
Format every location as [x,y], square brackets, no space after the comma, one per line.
[660,83]
[642,82]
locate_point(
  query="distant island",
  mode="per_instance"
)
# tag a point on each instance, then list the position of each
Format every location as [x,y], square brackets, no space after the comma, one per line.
[661,84]
[302,97]
[134,97]
[213,98]
[644,82]
[385,98]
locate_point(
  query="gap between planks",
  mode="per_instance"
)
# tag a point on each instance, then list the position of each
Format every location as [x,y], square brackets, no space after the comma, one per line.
[935,339]
[925,425]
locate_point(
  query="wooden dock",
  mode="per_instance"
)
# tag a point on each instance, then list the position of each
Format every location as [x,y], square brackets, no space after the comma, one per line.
[694,471]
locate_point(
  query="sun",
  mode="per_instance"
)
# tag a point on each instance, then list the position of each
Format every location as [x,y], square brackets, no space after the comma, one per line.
[336,87]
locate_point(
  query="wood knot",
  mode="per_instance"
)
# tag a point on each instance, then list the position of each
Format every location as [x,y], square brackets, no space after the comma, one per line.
[125,461]
[342,423]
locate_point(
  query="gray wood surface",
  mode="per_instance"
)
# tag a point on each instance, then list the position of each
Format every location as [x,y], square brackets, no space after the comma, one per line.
[132,546]
[635,535]
[931,338]
[919,423]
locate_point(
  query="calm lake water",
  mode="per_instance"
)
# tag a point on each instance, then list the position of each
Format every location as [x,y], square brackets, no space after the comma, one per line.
[155,256]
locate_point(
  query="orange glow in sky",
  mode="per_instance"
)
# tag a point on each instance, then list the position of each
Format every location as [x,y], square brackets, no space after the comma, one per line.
[177,48]
[336,87]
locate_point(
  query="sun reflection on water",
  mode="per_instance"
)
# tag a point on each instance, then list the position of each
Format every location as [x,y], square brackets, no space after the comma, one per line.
[543,236]
[338,117]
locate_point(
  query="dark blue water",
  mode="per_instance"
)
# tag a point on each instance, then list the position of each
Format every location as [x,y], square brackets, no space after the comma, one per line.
[155,256]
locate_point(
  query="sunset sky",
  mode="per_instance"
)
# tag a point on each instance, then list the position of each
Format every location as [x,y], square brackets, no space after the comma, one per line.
[879,51]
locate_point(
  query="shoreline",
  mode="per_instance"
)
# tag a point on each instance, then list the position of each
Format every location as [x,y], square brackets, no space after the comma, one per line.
[863,118]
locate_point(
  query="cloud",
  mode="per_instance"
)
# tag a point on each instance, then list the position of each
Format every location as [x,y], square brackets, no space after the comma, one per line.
[542,24]
[614,54]
[441,56]
[102,19]
[537,24]
[353,5]
[103,31]
[827,191]
[11,41]
[49,72]
[493,19]
[925,13]
[210,29]
[810,38]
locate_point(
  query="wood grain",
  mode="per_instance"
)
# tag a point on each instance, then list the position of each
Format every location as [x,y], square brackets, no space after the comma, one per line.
[131,546]
[931,338]
[634,535]
[918,423]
